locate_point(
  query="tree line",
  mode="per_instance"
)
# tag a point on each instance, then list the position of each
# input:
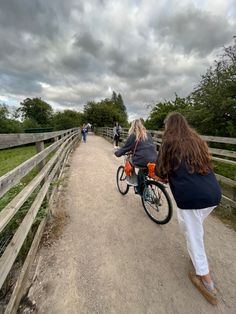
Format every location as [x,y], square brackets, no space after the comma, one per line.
[37,114]
[210,108]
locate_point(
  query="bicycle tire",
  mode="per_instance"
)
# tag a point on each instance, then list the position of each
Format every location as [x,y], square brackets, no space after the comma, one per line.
[158,206]
[122,186]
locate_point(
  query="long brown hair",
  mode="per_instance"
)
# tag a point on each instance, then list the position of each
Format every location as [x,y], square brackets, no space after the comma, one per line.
[181,143]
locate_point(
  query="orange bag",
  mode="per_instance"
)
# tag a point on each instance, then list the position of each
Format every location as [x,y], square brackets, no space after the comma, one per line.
[128,168]
[151,173]
[151,170]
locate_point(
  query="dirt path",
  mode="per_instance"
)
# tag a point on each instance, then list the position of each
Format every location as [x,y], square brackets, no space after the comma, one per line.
[111,258]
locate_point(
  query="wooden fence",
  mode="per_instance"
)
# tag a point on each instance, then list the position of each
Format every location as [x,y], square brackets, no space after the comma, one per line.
[225,156]
[63,143]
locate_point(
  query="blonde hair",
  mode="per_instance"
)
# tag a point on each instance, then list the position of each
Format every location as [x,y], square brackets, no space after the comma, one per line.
[138,129]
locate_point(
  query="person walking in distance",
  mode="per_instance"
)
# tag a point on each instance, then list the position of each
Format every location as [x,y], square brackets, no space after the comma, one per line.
[185,159]
[84,132]
[116,134]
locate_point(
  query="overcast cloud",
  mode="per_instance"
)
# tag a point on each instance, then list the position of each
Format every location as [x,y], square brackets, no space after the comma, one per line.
[70,52]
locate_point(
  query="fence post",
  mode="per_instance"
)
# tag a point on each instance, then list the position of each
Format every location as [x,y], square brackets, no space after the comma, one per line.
[39,148]
[234,191]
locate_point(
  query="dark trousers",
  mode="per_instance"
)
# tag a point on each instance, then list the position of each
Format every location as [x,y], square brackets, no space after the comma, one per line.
[116,139]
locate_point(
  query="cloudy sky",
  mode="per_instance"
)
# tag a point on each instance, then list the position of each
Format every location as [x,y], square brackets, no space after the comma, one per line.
[69,52]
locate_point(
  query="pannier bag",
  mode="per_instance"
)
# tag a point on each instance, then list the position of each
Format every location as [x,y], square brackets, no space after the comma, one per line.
[128,168]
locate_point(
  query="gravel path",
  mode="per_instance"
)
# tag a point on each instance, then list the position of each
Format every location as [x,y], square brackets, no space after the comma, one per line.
[111,258]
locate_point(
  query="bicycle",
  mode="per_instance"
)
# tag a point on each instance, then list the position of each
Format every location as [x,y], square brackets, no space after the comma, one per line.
[155,198]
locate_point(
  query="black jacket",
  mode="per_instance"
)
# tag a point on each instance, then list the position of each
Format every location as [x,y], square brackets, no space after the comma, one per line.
[194,191]
[145,151]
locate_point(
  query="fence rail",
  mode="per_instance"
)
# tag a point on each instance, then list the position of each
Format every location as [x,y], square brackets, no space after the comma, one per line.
[227,156]
[12,140]
[49,171]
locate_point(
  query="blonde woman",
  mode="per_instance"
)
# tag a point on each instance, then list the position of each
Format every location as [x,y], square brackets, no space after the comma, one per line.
[141,145]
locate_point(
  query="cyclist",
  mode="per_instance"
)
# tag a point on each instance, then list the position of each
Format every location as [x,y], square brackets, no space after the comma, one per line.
[140,143]
[185,159]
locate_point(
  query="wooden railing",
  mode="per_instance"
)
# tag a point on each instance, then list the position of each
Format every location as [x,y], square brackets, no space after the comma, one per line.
[225,156]
[64,142]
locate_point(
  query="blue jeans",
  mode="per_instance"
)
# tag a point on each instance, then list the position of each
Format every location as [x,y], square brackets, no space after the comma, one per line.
[84,135]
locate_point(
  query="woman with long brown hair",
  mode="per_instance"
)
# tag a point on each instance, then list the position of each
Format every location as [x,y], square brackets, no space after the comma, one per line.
[185,159]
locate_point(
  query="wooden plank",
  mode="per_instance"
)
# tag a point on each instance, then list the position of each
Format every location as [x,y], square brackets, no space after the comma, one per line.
[231,162]
[13,248]
[225,180]
[40,148]
[226,200]
[223,152]
[14,176]
[217,139]
[19,289]
[10,210]
[16,243]
[20,286]
[12,140]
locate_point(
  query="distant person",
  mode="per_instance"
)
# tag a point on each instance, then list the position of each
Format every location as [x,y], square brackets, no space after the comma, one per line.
[141,145]
[116,134]
[84,132]
[185,159]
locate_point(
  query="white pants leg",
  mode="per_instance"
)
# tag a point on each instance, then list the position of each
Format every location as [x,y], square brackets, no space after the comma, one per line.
[191,221]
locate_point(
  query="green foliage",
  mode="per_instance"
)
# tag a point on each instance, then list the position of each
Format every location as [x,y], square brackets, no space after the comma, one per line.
[67,119]
[161,110]
[106,112]
[215,97]
[211,107]
[36,110]
[8,125]
[30,124]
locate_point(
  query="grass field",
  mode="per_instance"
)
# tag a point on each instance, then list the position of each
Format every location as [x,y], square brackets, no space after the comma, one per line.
[11,158]
[225,170]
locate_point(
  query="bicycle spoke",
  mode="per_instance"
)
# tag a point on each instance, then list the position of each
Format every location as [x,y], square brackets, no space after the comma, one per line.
[156,202]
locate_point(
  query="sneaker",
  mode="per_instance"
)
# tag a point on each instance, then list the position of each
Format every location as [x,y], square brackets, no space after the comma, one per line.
[211,296]
[132,180]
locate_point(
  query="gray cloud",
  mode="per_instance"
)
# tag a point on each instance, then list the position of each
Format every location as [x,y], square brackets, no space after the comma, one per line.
[194,30]
[89,44]
[70,52]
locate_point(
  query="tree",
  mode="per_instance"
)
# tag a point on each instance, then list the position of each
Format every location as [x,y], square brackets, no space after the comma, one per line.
[211,107]
[118,104]
[214,98]
[158,114]
[37,110]
[67,119]
[106,112]
[8,125]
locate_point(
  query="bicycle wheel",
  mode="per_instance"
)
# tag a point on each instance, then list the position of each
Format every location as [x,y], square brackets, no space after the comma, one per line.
[156,202]
[123,187]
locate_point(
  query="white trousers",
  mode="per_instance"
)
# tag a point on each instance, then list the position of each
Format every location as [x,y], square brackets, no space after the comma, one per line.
[191,222]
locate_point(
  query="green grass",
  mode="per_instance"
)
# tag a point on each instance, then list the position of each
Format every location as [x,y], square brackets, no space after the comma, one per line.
[11,158]
[225,170]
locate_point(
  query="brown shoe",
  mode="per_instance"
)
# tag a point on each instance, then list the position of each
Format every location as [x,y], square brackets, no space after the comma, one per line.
[211,296]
